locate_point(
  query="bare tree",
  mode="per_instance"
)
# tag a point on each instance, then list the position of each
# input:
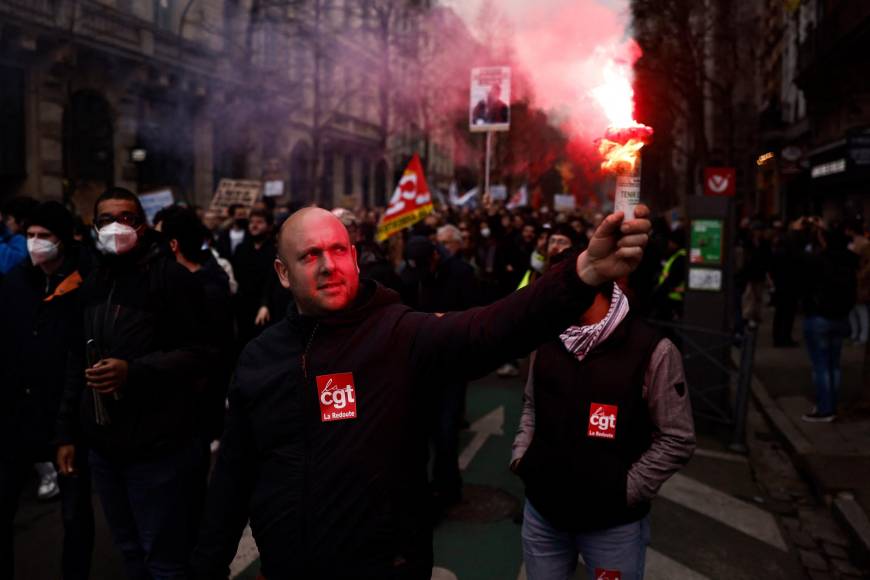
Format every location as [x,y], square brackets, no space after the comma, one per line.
[695,80]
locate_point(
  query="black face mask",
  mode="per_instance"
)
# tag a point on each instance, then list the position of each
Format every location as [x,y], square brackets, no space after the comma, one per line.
[241,223]
[258,237]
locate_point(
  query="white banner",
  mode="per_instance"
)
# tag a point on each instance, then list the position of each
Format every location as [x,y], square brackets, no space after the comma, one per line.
[564,202]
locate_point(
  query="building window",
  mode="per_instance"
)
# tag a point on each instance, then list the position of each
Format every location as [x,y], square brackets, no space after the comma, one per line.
[276,45]
[300,61]
[327,81]
[169,157]
[163,13]
[88,140]
[328,180]
[228,154]
[381,184]
[12,146]
[348,174]
[366,15]
[300,171]
[366,181]
[348,13]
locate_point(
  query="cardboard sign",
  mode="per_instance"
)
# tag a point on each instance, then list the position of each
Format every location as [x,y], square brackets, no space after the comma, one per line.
[520,198]
[564,202]
[244,192]
[498,192]
[273,188]
[469,198]
[154,201]
[720,181]
[490,99]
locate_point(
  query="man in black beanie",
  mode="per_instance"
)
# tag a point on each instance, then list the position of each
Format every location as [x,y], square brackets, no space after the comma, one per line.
[42,319]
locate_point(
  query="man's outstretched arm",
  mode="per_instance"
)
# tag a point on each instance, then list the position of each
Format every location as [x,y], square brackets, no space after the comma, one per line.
[473,342]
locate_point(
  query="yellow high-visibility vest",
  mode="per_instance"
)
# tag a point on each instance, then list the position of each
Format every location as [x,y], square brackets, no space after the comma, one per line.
[678,292]
[526,280]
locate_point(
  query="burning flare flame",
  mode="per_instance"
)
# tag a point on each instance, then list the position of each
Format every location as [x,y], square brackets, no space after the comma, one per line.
[624,137]
[620,157]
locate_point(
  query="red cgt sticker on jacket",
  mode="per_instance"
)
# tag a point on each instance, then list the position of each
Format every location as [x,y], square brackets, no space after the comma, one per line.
[602,574]
[602,421]
[337,397]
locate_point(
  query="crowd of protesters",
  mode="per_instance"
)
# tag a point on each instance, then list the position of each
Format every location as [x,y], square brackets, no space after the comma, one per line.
[121,342]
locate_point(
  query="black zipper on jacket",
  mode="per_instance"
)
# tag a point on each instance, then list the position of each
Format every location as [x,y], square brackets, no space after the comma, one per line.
[307,350]
[307,455]
[102,337]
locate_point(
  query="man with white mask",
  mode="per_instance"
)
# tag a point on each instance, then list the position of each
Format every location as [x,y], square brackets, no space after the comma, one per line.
[41,312]
[132,388]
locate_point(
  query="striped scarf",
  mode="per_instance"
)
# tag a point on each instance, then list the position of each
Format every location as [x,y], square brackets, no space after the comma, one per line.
[580,340]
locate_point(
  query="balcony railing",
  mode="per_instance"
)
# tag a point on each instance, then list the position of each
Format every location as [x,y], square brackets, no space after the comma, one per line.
[44,12]
[111,26]
[102,25]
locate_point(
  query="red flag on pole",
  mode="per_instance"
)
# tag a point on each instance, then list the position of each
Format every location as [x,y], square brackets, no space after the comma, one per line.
[410,203]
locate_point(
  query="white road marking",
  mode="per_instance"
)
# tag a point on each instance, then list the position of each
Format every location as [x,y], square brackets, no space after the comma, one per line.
[245,555]
[740,515]
[443,574]
[660,567]
[721,455]
[483,428]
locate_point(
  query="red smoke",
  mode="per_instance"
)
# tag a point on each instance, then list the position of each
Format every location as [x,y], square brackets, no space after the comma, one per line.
[565,47]
[559,50]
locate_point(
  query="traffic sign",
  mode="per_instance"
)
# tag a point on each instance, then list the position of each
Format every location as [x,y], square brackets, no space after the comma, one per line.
[720,181]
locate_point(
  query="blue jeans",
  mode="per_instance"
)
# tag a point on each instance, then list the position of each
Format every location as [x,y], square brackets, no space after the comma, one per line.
[824,337]
[152,507]
[552,555]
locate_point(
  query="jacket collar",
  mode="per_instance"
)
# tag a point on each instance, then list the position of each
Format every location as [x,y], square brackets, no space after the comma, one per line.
[370,297]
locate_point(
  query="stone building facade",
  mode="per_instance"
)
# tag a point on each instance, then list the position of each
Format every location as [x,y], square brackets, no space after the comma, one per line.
[155,94]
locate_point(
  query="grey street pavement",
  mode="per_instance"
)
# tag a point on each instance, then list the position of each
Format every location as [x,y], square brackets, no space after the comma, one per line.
[833,457]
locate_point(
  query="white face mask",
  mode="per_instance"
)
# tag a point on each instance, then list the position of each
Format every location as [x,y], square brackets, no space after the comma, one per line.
[41,251]
[485,232]
[116,238]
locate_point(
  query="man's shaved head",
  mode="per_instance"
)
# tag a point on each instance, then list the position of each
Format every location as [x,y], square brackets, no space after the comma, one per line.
[302,221]
[317,261]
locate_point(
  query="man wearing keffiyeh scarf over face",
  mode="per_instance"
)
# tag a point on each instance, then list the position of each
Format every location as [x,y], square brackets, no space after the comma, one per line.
[606,421]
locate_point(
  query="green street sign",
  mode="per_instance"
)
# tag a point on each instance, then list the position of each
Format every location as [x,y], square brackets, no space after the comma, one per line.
[705,245]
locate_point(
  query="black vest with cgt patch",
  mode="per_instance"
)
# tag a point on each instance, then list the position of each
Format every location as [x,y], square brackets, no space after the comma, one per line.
[591,425]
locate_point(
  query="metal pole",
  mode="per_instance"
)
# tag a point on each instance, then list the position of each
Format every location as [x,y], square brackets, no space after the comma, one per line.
[744,380]
[488,163]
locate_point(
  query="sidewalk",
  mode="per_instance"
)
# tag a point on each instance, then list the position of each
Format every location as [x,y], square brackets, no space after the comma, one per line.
[835,456]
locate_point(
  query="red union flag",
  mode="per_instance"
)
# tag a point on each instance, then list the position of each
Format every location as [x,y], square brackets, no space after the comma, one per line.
[410,203]
[720,181]
[602,421]
[337,397]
